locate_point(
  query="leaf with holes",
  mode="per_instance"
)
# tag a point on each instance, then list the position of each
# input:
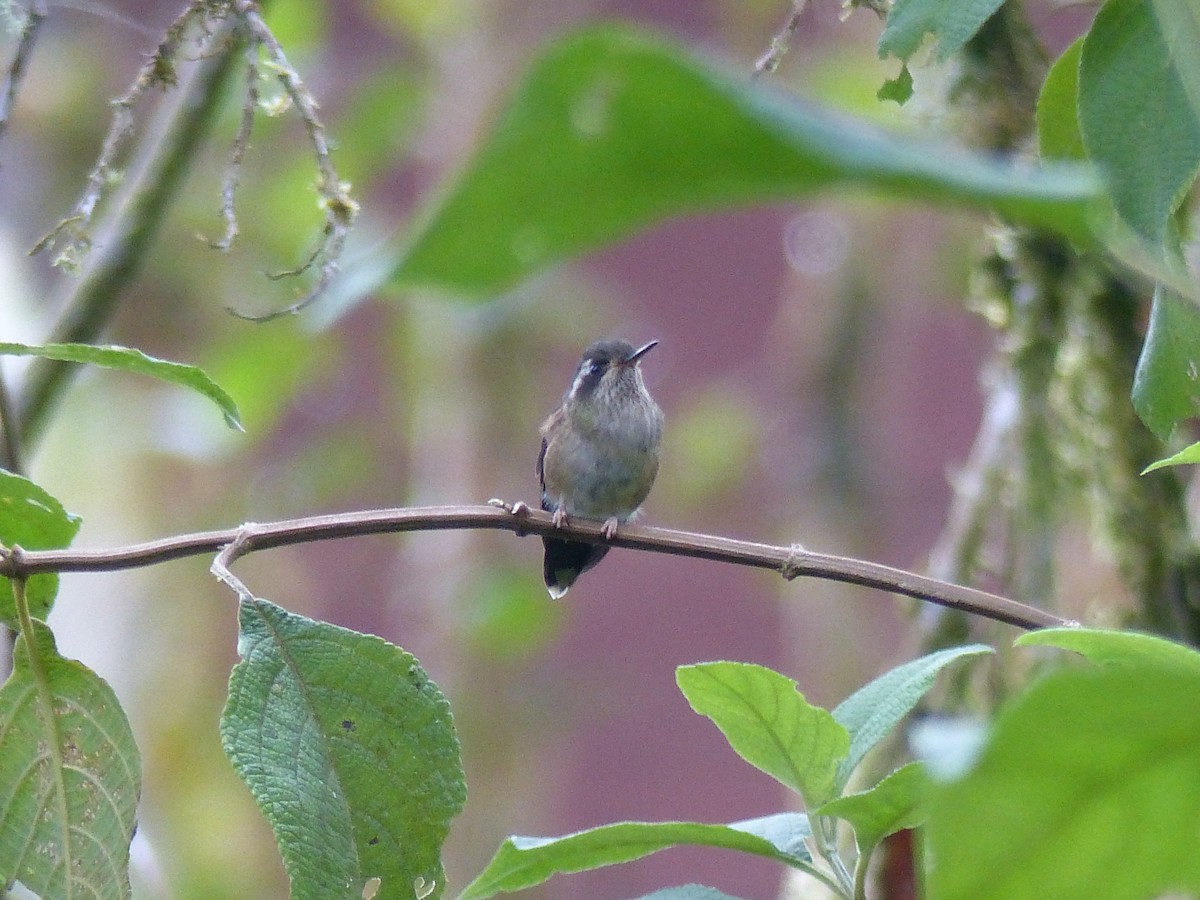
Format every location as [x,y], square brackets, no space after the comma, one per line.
[69,777]
[350,751]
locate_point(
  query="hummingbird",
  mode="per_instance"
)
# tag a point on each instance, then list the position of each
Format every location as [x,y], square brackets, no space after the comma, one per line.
[599,454]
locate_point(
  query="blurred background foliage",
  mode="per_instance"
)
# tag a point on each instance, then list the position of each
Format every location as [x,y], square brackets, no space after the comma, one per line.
[819,369]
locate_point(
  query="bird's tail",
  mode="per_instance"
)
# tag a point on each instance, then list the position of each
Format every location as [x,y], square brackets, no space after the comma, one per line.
[566,561]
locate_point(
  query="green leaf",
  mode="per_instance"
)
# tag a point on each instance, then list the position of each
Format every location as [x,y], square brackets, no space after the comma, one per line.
[69,777]
[127,359]
[523,862]
[1166,385]
[350,752]
[34,520]
[769,724]
[1188,456]
[874,709]
[895,803]
[898,89]
[1137,119]
[951,22]
[1058,108]
[613,130]
[688,892]
[1089,787]
[1116,647]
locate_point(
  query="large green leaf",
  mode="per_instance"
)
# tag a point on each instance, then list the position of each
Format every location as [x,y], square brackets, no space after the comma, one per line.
[1135,113]
[874,709]
[522,862]
[127,359]
[350,751]
[612,130]
[1126,648]
[1089,787]
[769,724]
[34,520]
[950,22]
[69,777]
[1166,385]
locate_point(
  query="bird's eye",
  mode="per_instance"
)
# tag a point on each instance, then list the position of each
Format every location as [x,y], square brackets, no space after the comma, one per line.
[596,367]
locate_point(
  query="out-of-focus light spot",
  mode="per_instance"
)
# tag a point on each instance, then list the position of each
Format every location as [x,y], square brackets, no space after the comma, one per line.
[816,242]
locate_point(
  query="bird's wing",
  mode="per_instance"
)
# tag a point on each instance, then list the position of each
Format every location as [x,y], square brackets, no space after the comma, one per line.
[546,430]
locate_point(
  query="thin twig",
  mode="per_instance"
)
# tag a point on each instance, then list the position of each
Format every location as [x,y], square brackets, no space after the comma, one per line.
[157,71]
[339,207]
[769,61]
[16,71]
[241,142]
[791,562]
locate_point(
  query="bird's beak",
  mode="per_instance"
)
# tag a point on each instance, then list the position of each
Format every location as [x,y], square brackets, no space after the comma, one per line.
[639,353]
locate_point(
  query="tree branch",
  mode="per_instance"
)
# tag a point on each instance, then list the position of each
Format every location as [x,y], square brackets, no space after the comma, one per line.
[791,562]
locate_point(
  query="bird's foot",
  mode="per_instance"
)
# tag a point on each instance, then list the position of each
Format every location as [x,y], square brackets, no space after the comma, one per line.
[518,509]
[609,528]
[559,519]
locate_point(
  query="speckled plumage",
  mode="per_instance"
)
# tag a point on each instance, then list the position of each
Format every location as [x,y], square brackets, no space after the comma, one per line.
[599,454]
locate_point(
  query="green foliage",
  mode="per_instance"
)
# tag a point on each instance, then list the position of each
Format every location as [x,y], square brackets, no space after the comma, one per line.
[874,709]
[350,751]
[33,520]
[612,130]
[1086,767]
[951,23]
[1138,121]
[1166,389]
[1057,112]
[769,724]
[347,746]
[891,805]
[1124,648]
[69,776]
[523,862]
[128,360]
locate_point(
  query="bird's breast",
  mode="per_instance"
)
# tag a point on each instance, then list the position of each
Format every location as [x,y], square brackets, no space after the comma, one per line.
[606,469]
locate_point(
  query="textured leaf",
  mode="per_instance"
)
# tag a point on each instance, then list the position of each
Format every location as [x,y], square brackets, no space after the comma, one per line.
[523,862]
[69,777]
[895,803]
[874,709]
[1116,647]
[34,520]
[350,751]
[1089,787]
[1166,385]
[769,724]
[613,130]
[129,360]
[950,22]
[1135,113]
